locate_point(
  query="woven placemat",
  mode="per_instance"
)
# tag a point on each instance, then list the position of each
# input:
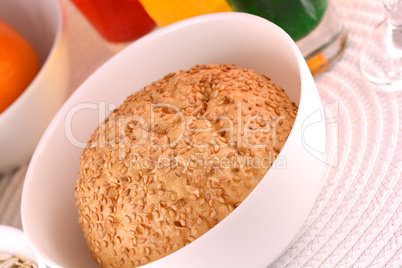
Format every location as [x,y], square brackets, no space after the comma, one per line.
[356,221]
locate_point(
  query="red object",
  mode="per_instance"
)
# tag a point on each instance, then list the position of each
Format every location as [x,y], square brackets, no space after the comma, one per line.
[117,20]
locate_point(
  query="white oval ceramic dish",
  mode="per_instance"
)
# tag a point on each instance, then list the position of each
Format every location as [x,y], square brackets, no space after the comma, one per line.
[264,224]
[14,242]
[23,122]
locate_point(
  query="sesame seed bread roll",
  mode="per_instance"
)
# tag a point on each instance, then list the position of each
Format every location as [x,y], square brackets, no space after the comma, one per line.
[176,158]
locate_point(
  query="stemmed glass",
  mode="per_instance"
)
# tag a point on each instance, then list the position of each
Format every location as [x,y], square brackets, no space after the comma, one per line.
[381,59]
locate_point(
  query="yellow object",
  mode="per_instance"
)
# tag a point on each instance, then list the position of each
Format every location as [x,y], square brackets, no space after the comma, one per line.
[19,65]
[169,11]
[318,64]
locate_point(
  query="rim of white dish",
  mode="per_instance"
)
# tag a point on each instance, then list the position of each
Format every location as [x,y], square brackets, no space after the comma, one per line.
[18,234]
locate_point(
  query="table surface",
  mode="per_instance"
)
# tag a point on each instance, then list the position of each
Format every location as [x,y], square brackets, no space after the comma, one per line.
[357,218]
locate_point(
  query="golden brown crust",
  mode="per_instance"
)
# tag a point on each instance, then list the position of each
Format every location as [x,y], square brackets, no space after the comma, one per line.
[176,158]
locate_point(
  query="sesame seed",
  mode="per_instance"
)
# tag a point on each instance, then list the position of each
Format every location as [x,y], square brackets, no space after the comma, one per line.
[127,218]
[172,213]
[141,241]
[199,221]
[213,214]
[236,178]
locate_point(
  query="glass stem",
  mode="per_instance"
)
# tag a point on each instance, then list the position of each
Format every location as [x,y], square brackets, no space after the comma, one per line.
[394,12]
[394,27]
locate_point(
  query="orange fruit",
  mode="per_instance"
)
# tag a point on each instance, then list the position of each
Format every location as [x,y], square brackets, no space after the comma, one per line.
[19,64]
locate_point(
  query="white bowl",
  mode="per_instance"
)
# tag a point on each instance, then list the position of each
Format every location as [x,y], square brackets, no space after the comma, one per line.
[264,224]
[23,122]
[14,242]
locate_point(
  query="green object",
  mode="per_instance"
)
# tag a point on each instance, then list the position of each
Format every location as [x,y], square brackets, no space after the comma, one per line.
[296,17]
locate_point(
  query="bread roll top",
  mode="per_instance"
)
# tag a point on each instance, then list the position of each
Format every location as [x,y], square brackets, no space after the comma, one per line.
[176,158]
